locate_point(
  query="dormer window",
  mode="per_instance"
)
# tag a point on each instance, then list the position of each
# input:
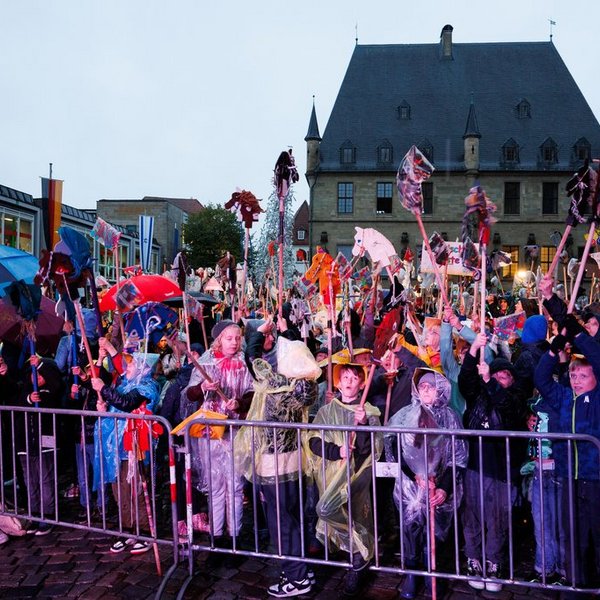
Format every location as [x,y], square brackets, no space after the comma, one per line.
[524,110]
[385,153]
[404,111]
[549,152]
[426,147]
[510,152]
[348,153]
[582,150]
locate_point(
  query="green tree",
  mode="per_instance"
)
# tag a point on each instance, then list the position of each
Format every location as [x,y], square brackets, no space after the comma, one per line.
[210,233]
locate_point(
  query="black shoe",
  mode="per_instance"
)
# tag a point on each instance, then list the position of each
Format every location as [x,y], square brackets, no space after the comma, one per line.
[409,587]
[352,582]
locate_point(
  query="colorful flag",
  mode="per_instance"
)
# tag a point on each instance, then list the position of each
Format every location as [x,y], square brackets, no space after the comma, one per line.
[146,232]
[305,287]
[128,296]
[105,233]
[344,266]
[413,170]
[52,207]
[504,327]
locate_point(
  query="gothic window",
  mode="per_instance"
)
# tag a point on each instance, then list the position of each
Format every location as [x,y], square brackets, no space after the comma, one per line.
[426,147]
[385,153]
[510,152]
[404,111]
[549,152]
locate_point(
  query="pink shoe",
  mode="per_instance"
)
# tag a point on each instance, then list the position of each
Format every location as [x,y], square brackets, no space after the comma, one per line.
[200,522]
[182,530]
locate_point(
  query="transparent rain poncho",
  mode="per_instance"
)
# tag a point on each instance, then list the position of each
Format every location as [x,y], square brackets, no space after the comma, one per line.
[109,433]
[427,459]
[235,380]
[332,507]
[282,400]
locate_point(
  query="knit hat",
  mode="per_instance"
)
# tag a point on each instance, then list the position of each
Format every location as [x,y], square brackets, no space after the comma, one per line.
[428,377]
[534,330]
[501,364]
[197,347]
[220,327]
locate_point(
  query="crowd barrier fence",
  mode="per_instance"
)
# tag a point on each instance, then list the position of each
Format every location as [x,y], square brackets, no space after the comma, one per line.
[31,438]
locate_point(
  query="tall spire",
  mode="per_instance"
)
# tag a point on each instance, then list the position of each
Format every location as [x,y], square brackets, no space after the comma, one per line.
[313,126]
[472,128]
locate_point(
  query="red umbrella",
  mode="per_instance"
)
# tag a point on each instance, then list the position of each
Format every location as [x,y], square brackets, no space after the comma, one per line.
[48,326]
[149,288]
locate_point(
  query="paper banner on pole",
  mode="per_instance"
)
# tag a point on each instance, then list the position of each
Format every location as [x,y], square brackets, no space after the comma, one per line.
[455,264]
[506,326]
[146,231]
[105,233]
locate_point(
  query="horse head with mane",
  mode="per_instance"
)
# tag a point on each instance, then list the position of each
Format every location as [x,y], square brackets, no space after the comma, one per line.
[321,266]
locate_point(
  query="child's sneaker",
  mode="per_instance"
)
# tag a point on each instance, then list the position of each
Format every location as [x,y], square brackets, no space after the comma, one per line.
[493,572]
[285,588]
[140,547]
[121,545]
[474,570]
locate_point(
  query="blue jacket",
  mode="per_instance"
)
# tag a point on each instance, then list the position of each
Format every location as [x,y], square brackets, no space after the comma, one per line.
[572,414]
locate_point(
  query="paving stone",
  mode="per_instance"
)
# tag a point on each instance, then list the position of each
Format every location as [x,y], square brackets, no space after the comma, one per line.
[56,590]
[20,592]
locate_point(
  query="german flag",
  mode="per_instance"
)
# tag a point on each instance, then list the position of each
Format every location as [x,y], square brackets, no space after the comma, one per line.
[52,207]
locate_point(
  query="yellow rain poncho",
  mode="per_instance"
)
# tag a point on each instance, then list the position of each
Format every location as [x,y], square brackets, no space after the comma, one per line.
[332,507]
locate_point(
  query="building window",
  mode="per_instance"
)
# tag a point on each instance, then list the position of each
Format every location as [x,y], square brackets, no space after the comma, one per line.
[301,234]
[546,256]
[512,198]
[348,153]
[384,198]
[426,147]
[582,150]
[385,153]
[16,231]
[549,152]
[549,198]
[510,152]
[345,202]
[524,110]
[404,111]
[427,188]
[512,269]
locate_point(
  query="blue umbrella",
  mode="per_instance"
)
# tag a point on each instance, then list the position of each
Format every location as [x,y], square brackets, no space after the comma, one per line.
[16,265]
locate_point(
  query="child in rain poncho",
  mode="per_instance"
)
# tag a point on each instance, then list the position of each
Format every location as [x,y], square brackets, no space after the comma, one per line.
[272,458]
[426,465]
[134,392]
[332,448]
[212,460]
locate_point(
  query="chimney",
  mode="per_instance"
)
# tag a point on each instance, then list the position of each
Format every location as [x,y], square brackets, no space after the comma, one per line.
[446,42]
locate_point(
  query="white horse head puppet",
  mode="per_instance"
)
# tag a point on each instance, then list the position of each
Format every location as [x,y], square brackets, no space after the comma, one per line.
[380,250]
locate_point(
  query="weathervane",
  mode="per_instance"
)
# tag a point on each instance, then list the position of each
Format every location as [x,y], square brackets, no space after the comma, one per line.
[552,23]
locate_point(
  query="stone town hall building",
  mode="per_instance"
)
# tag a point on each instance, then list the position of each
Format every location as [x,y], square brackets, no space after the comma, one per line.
[507,114]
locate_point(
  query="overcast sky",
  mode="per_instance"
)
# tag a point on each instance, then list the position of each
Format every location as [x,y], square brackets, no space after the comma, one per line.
[193,98]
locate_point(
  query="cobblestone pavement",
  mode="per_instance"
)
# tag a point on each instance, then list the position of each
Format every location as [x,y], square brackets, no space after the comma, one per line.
[69,563]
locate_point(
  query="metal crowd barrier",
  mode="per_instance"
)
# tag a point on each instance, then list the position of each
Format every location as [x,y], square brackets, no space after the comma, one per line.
[183,467]
[41,436]
[512,572]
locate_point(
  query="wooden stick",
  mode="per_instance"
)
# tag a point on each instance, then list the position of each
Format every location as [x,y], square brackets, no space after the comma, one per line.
[206,376]
[86,344]
[436,270]
[186,320]
[483,287]
[559,249]
[432,550]
[580,273]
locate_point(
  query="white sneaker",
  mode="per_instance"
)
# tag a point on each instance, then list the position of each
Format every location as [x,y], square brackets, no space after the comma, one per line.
[493,572]
[286,588]
[474,570]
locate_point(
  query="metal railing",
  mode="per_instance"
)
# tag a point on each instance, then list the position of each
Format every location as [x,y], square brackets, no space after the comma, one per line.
[193,462]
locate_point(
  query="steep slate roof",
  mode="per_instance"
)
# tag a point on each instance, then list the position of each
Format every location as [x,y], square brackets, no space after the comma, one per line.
[313,127]
[499,75]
